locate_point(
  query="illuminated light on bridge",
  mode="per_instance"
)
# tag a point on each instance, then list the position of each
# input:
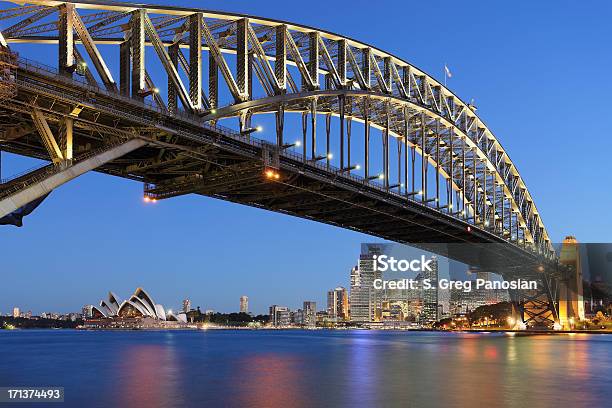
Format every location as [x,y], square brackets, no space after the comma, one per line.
[219,68]
[271,174]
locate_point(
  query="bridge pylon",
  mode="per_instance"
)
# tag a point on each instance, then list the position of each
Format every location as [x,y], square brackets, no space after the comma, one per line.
[571,305]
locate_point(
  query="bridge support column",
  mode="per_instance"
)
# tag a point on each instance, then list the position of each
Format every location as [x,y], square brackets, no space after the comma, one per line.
[66,138]
[173,53]
[385,144]
[242,56]
[571,304]
[195,60]
[137,38]
[66,40]
[280,125]
[304,131]
[366,138]
[313,128]
[124,68]
[213,83]
[327,139]
[535,309]
[341,108]
[280,63]
[12,200]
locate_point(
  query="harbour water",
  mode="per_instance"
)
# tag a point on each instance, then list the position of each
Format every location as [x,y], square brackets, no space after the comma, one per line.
[297,368]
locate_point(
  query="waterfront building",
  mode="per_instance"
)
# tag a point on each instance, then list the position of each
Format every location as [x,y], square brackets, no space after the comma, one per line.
[324,320]
[338,304]
[365,301]
[186,305]
[87,311]
[430,296]
[279,315]
[309,313]
[16,312]
[244,304]
[138,311]
[296,317]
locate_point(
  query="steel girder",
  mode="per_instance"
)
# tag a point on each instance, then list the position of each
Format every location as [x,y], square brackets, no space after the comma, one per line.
[362,84]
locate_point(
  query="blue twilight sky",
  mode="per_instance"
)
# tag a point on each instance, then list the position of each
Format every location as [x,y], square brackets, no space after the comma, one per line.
[540,73]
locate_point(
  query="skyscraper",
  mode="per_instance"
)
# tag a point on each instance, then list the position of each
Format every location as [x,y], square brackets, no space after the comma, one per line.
[309,313]
[16,312]
[186,305]
[244,304]
[365,300]
[338,304]
[430,296]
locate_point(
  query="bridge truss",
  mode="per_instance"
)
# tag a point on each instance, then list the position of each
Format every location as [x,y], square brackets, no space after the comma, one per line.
[170,77]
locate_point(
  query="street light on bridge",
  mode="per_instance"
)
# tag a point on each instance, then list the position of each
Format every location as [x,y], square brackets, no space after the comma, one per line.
[297,143]
[349,168]
[248,131]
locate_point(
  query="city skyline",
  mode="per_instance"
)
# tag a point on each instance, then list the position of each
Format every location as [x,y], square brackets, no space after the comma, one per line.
[281,204]
[106,205]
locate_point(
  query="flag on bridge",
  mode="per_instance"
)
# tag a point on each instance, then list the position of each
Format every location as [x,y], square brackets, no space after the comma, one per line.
[447,71]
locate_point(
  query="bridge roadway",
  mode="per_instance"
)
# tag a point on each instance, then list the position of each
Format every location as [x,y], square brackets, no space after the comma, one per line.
[235,167]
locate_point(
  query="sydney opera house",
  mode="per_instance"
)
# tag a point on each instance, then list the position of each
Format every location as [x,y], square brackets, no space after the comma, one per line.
[139,311]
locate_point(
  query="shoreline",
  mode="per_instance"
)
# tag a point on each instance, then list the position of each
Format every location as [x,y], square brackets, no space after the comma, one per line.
[224,328]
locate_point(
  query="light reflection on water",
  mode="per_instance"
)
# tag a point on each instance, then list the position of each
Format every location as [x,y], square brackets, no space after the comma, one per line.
[305,369]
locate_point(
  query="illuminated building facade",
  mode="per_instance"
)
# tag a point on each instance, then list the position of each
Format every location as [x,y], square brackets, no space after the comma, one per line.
[186,305]
[365,301]
[244,304]
[137,311]
[280,315]
[338,304]
[430,296]
[309,313]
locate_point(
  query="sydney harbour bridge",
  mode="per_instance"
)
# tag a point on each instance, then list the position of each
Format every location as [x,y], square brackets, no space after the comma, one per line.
[354,137]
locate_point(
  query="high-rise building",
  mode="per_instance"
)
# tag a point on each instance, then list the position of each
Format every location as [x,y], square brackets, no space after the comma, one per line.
[244,304]
[16,312]
[296,317]
[309,313]
[338,304]
[365,301]
[279,315]
[186,305]
[87,311]
[430,296]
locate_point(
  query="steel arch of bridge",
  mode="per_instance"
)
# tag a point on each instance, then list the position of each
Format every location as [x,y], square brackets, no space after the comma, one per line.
[331,75]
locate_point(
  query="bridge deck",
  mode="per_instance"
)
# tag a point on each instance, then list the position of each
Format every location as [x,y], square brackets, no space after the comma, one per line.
[185,156]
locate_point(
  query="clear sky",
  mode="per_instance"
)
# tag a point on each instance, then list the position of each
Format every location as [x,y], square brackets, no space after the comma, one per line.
[540,74]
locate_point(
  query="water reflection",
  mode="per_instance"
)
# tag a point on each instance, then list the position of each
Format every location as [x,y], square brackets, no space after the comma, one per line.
[313,369]
[362,369]
[267,380]
[147,376]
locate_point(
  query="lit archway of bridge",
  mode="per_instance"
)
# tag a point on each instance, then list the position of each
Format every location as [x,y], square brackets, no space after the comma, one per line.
[305,70]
